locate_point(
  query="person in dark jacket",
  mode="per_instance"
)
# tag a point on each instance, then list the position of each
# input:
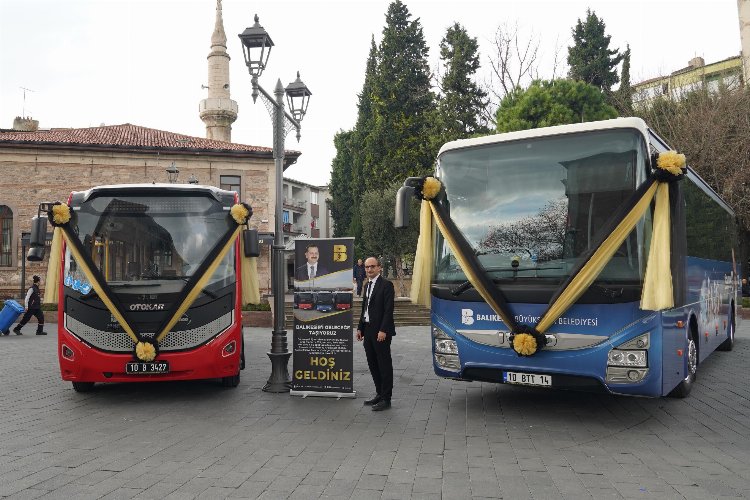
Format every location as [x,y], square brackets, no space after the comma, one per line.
[359,276]
[376,330]
[33,305]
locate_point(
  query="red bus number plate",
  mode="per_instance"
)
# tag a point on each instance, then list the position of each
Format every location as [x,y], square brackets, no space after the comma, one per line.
[139,368]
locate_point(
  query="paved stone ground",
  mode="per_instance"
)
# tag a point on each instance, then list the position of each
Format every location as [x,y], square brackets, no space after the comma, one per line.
[441,438]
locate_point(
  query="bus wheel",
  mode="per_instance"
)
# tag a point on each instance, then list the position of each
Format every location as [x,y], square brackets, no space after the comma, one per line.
[83,386]
[242,355]
[232,381]
[684,388]
[728,344]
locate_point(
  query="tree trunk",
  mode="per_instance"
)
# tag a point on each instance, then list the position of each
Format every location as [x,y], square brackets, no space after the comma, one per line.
[398,264]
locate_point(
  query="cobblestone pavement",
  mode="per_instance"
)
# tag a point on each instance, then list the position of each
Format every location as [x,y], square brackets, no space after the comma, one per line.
[442,438]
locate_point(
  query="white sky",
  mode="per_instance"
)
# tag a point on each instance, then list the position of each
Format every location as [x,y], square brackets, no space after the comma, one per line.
[143,62]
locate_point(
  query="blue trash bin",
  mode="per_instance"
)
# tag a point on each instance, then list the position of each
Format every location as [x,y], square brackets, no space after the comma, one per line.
[9,315]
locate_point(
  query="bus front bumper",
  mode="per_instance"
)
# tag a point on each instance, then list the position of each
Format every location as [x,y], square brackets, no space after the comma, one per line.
[218,358]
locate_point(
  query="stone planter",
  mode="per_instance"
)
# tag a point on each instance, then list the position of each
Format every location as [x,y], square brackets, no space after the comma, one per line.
[257,318]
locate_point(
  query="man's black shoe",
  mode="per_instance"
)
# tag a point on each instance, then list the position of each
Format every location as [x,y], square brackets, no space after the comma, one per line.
[17,331]
[41,333]
[384,404]
[374,400]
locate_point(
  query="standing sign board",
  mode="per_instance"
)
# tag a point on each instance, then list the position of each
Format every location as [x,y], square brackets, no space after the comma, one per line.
[323,358]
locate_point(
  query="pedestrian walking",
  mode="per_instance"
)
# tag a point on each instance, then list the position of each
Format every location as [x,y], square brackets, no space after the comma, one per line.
[359,276]
[33,305]
[376,330]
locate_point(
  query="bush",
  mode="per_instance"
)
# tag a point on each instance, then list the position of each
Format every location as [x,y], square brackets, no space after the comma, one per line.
[263,306]
[745,301]
[49,307]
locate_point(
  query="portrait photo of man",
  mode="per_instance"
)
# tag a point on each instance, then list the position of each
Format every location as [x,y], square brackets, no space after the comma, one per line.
[312,268]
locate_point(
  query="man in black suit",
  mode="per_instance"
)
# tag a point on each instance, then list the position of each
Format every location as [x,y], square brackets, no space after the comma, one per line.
[376,329]
[311,268]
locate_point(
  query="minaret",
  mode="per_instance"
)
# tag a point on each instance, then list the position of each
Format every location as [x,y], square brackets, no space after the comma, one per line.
[218,111]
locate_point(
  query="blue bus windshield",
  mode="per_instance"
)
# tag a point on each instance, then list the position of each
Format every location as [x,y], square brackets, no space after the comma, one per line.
[530,208]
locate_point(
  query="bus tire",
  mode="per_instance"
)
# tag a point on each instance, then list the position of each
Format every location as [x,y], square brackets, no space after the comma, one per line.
[683,388]
[728,344]
[242,355]
[231,381]
[83,386]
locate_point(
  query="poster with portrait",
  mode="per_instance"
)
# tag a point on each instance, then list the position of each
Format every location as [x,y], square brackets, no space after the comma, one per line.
[323,358]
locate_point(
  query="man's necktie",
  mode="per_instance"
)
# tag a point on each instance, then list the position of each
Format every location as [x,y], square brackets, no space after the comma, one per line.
[368,293]
[311,272]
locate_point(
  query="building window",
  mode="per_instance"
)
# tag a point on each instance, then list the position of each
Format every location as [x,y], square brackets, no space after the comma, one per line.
[285,216]
[6,235]
[230,183]
[314,197]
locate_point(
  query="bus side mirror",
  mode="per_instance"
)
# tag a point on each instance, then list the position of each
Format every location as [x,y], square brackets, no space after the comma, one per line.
[37,238]
[403,197]
[251,243]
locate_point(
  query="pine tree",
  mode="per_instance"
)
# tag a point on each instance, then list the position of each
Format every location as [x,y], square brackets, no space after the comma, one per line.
[462,100]
[340,185]
[590,58]
[552,102]
[361,131]
[403,105]
[624,96]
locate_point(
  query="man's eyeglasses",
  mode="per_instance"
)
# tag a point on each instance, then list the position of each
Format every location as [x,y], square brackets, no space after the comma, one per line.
[370,267]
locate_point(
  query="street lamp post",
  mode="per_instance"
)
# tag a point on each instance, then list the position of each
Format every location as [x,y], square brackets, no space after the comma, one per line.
[256,47]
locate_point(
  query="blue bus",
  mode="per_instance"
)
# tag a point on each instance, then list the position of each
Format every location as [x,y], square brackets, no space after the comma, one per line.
[530,207]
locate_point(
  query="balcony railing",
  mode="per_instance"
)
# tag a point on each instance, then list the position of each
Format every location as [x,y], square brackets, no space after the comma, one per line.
[297,205]
[290,228]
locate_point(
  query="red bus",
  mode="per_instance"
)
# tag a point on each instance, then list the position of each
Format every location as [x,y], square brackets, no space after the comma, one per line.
[343,300]
[149,283]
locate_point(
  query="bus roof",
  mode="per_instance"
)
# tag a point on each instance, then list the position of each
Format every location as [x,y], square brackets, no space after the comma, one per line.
[615,123]
[214,191]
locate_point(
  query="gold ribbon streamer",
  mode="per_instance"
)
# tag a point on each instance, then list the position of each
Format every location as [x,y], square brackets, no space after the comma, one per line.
[249,277]
[473,279]
[422,274]
[98,288]
[198,288]
[52,283]
[657,283]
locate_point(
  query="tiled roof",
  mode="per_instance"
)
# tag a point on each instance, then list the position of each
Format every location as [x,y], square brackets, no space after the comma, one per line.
[124,136]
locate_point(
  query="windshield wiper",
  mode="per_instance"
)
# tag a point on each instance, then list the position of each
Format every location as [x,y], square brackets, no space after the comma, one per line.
[186,279]
[129,284]
[519,269]
[612,293]
[461,288]
[466,285]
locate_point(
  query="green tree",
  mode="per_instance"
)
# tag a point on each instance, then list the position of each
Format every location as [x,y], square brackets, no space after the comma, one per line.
[552,102]
[462,100]
[623,97]
[340,185]
[359,137]
[399,143]
[379,237]
[590,58]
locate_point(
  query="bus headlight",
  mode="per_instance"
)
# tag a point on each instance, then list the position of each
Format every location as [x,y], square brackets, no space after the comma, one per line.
[621,357]
[446,350]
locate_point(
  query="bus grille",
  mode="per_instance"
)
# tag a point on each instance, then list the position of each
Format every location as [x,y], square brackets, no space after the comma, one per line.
[174,341]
